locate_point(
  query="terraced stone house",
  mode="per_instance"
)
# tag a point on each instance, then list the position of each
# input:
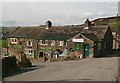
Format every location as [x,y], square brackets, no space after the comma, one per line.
[39,41]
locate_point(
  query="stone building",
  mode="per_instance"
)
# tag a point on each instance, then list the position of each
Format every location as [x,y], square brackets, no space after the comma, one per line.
[88,40]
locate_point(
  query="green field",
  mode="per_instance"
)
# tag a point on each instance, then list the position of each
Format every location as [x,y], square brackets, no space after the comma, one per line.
[3,43]
[115,26]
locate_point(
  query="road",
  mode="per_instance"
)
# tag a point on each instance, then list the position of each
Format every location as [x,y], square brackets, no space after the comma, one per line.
[95,69]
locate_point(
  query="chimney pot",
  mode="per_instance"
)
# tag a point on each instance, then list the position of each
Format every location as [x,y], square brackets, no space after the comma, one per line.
[48,24]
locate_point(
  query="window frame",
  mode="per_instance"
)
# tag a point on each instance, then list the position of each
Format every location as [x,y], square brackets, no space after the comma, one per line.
[43,42]
[53,43]
[14,40]
[61,43]
[30,51]
[29,43]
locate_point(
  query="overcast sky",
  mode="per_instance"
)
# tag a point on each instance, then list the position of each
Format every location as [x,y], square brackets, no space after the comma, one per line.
[60,13]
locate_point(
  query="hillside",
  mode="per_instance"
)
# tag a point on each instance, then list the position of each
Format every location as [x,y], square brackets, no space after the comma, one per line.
[105,21]
[113,22]
[4,31]
[7,29]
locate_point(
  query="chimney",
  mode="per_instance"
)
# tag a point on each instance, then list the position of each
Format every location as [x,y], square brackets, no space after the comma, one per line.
[48,24]
[88,24]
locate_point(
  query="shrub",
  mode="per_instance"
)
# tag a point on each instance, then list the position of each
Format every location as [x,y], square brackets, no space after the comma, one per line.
[3,43]
[25,62]
[9,65]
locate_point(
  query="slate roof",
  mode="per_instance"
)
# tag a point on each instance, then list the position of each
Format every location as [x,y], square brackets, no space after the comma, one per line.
[55,32]
[91,36]
[95,33]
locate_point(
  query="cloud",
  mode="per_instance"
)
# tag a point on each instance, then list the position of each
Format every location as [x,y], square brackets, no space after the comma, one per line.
[79,18]
[60,13]
[85,15]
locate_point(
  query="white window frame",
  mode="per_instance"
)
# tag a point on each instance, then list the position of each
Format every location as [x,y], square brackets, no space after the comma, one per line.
[26,51]
[61,43]
[29,44]
[30,51]
[53,43]
[40,42]
[14,40]
[45,42]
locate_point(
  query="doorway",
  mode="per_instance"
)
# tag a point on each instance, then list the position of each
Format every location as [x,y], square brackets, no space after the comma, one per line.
[86,50]
[41,54]
[35,54]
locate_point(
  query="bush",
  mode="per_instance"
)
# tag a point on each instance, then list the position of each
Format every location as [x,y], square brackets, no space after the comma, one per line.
[3,43]
[9,65]
[25,62]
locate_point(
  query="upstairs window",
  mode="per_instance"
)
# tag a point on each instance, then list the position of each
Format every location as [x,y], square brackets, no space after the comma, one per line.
[29,43]
[14,40]
[53,43]
[61,43]
[43,42]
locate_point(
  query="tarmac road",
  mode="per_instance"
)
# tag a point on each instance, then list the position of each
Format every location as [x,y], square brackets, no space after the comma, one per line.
[96,69]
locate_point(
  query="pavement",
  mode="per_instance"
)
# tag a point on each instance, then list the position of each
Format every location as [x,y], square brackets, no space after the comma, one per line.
[95,69]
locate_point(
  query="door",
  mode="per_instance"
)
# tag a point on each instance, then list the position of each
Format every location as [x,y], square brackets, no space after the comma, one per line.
[87,50]
[41,54]
[35,54]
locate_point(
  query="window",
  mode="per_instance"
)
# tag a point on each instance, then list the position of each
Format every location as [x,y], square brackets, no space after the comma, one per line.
[77,46]
[104,44]
[29,43]
[30,51]
[26,51]
[14,40]
[53,43]
[99,46]
[61,43]
[43,42]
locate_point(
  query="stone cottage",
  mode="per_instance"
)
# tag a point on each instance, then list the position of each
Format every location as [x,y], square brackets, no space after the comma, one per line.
[88,40]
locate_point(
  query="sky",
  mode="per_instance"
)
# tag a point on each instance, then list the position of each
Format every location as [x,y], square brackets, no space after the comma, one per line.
[59,13]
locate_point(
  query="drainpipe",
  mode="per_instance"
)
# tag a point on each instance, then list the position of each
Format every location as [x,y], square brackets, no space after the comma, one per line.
[65,44]
[37,48]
